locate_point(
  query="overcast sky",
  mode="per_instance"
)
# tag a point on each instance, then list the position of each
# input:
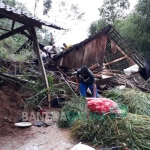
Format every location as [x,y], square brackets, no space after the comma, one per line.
[78,32]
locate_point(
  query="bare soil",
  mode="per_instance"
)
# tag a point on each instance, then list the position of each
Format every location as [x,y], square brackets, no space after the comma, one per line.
[10,107]
[31,138]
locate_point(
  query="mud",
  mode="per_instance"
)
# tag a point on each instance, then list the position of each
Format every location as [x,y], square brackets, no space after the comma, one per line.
[38,138]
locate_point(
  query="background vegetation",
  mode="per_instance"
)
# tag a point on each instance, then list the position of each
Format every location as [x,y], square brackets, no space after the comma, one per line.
[69,12]
[133,26]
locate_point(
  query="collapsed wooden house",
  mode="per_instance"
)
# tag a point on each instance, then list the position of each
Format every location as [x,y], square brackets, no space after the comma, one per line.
[105,47]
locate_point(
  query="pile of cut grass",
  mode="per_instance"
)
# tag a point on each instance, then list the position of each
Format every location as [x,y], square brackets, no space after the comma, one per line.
[133,131]
[137,101]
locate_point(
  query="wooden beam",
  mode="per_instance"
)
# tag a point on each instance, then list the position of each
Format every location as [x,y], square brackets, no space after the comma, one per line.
[130,60]
[10,33]
[1,16]
[37,49]
[116,60]
[62,73]
[4,29]
[21,32]
[12,27]
[21,18]
[26,34]
[22,47]
[93,67]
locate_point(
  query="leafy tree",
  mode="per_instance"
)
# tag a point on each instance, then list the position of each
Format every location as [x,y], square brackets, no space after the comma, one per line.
[57,12]
[12,43]
[136,27]
[47,6]
[16,4]
[112,10]
[96,26]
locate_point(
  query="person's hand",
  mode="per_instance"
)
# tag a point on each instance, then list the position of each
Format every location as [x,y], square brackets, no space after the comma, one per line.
[77,89]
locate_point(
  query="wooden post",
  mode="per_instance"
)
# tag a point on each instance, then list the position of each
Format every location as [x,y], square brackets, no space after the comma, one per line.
[37,49]
[12,27]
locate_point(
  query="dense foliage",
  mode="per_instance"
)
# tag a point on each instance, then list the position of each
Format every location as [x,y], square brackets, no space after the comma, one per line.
[134,27]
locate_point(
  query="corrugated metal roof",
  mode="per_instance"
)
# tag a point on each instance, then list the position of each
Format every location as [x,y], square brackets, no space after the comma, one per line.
[4,9]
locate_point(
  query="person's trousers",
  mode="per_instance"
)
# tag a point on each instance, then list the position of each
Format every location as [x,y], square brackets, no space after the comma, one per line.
[83,89]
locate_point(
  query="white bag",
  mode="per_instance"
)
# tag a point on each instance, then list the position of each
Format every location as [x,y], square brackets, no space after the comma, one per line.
[81,146]
[131,69]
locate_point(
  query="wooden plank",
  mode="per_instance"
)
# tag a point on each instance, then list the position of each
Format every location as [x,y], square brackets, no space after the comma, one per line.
[101,49]
[22,46]
[130,60]
[4,29]
[103,81]
[74,59]
[89,53]
[116,60]
[26,34]
[21,32]
[15,31]
[62,73]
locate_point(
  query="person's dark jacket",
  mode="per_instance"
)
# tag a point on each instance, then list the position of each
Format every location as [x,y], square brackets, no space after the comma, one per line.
[88,78]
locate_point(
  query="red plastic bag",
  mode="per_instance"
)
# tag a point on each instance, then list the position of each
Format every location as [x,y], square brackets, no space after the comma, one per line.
[102,105]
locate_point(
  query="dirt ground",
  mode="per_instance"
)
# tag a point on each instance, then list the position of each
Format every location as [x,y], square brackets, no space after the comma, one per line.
[30,138]
[38,138]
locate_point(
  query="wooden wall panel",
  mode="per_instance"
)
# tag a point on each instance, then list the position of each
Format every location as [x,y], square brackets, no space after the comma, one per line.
[101,50]
[73,59]
[87,55]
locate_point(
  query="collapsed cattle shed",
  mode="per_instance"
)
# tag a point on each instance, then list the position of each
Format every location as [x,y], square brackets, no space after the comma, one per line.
[105,47]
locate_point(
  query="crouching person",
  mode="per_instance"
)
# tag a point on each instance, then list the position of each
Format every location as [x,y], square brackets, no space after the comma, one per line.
[85,79]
